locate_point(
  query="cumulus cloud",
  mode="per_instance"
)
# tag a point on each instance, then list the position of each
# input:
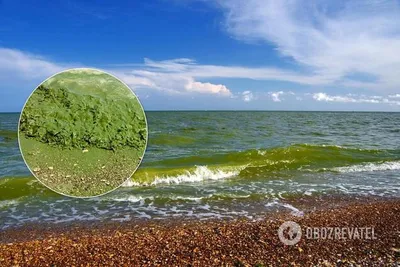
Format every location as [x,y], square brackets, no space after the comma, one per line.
[247,96]
[200,87]
[276,96]
[354,43]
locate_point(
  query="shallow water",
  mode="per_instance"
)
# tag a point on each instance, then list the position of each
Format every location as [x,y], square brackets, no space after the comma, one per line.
[223,165]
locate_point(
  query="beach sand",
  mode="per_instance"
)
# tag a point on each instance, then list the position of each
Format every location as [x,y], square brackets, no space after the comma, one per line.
[241,242]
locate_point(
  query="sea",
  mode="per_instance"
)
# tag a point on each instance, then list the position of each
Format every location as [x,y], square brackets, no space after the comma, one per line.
[206,165]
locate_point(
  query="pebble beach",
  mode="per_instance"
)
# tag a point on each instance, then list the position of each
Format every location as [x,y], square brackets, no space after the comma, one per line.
[240,242]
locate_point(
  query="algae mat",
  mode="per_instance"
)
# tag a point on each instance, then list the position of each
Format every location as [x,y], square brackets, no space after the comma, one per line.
[82,132]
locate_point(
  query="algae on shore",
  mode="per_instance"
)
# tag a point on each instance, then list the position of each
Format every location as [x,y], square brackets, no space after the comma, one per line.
[80,111]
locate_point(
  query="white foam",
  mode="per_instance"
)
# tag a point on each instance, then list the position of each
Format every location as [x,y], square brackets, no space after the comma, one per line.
[294,211]
[201,173]
[133,199]
[130,183]
[6,203]
[369,167]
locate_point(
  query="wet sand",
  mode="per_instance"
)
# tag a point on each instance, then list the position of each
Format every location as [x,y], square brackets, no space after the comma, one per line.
[241,242]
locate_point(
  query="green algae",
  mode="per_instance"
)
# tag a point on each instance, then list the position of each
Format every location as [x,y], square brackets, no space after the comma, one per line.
[61,118]
[82,133]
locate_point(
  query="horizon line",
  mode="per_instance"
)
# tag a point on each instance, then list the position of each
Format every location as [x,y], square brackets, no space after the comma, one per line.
[250,110]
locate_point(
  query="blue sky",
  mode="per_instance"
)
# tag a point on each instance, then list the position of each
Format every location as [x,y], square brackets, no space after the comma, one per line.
[211,54]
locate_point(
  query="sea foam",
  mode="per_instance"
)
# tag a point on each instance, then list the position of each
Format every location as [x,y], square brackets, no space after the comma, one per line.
[201,173]
[369,167]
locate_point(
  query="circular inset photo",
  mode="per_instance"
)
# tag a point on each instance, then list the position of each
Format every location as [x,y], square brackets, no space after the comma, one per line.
[82,132]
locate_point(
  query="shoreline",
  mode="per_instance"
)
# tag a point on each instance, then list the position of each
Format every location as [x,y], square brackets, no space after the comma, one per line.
[236,242]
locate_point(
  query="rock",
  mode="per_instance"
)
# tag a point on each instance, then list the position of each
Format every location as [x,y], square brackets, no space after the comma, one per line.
[85,151]
[51,168]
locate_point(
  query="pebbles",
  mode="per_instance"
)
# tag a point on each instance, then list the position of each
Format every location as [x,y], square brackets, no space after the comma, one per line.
[211,243]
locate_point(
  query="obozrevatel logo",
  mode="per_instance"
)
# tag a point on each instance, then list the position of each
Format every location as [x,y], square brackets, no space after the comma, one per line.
[289,233]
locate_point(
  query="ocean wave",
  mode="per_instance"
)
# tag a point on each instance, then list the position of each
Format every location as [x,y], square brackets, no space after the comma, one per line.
[260,163]
[297,153]
[370,167]
[199,174]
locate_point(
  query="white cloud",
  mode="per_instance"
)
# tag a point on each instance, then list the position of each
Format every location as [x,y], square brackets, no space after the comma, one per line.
[247,96]
[328,98]
[353,98]
[22,65]
[178,75]
[276,96]
[165,75]
[181,76]
[333,39]
[200,87]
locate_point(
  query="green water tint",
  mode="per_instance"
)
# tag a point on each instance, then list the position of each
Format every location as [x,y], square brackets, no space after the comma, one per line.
[82,132]
[8,135]
[266,163]
[17,187]
[204,165]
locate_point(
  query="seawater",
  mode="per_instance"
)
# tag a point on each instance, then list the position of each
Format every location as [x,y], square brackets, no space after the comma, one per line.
[209,164]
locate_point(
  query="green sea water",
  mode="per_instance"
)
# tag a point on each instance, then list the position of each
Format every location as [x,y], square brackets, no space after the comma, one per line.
[222,165]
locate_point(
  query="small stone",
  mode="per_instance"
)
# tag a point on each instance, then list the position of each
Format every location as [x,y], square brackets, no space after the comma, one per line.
[85,151]
[75,164]
[103,167]
[51,168]
[68,176]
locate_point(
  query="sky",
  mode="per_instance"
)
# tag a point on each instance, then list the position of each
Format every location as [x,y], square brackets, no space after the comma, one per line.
[211,54]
